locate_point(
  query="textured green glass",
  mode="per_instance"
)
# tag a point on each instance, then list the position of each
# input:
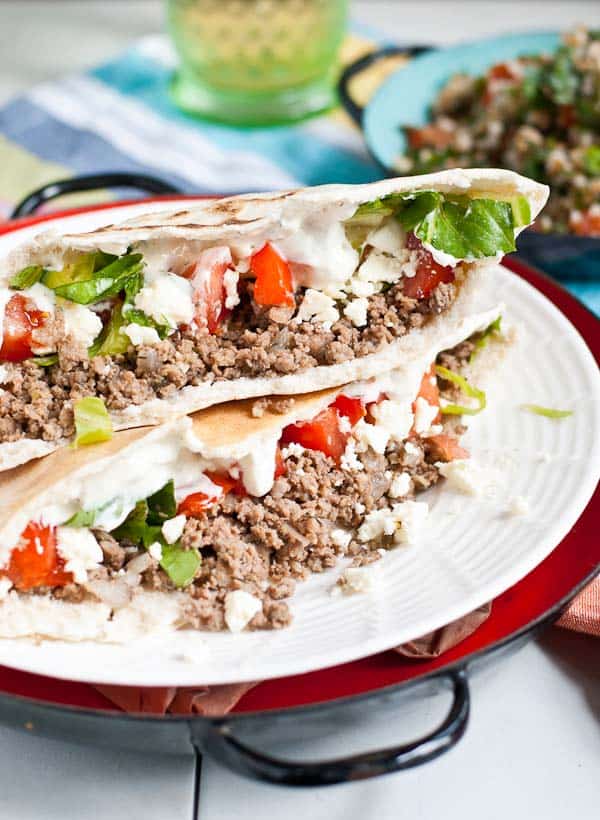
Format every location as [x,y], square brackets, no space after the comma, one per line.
[256,61]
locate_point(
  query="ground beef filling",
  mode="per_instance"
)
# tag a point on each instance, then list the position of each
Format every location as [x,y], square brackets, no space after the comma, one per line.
[36,402]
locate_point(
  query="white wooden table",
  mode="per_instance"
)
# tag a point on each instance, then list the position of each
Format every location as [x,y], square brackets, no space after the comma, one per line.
[533,746]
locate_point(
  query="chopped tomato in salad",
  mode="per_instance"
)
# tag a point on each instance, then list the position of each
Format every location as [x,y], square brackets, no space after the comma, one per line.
[352,408]
[35,562]
[429,135]
[587,224]
[429,273]
[273,285]
[207,276]
[446,448]
[19,322]
[429,391]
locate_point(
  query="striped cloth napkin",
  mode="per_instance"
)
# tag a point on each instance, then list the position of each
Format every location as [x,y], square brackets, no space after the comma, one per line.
[118,117]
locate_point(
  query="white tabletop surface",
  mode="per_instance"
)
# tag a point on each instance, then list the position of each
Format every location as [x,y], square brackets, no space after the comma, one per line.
[532,749]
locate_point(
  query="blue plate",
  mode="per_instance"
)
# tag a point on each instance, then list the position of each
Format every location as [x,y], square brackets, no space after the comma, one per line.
[405,97]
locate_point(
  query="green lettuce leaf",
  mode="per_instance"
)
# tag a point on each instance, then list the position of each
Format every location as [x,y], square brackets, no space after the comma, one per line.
[464,227]
[111,340]
[45,361]
[92,422]
[83,518]
[467,389]
[548,412]
[483,339]
[79,270]
[591,160]
[26,277]
[138,317]
[162,505]
[179,564]
[122,274]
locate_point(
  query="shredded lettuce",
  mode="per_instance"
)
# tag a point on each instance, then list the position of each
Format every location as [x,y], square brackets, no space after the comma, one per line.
[143,527]
[123,274]
[548,412]
[463,227]
[179,564]
[467,389]
[138,317]
[111,340]
[27,277]
[591,160]
[82,268]
[83,518]
[92,422]
[45,361]
[484,338]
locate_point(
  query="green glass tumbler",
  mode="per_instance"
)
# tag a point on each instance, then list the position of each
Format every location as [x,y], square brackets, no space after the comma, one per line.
[256,62]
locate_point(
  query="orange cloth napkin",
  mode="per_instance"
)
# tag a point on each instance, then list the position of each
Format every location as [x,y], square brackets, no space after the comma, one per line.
[583,614]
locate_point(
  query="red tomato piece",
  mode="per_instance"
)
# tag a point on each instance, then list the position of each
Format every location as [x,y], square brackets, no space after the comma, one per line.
[322,433]
[429,391]
[429,273]
[227,483]
[195,505]
[567,116]
[430,136]
[445,448]
[587,225]
[352,408]
[207,276]
[19,321]
[273,285]
[36,562]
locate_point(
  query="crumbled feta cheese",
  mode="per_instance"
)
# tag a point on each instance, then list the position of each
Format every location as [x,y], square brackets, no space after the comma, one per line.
[3,374]
[380,268]
[341,538]
[389,237]
[317,306]
[518,506]
[400,486]
[240,608]
[462,475]
[173,528]
[411,449]
[155,550]
[44,297]
[404,521]
[344,424]
[359,508]
[230,280]
[141,335]
[5,587]
[357,580]
[394,416]
[167,298]
[360,288]
[424,415]
[349,460]
[434,430]
[292,449]
[81,323]
[79,550]
[371,435]
[356,311]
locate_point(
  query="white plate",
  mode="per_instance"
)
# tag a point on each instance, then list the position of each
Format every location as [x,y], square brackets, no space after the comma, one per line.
[474,550]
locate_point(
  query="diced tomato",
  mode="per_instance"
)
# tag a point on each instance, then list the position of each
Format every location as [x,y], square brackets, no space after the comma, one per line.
[502,71]
[445,448]
[498,77]
[280,468]
[273,285]
[207,276]
[227,483]
[19,321]
[430,136]
[195,505]
[429,391]
[322,433]
[567,116]
[429,273]
[352,408]
[35,562]
[588,224]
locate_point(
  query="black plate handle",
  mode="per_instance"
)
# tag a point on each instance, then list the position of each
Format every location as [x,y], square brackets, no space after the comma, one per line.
[228,750]
[355,110]
[90,182]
